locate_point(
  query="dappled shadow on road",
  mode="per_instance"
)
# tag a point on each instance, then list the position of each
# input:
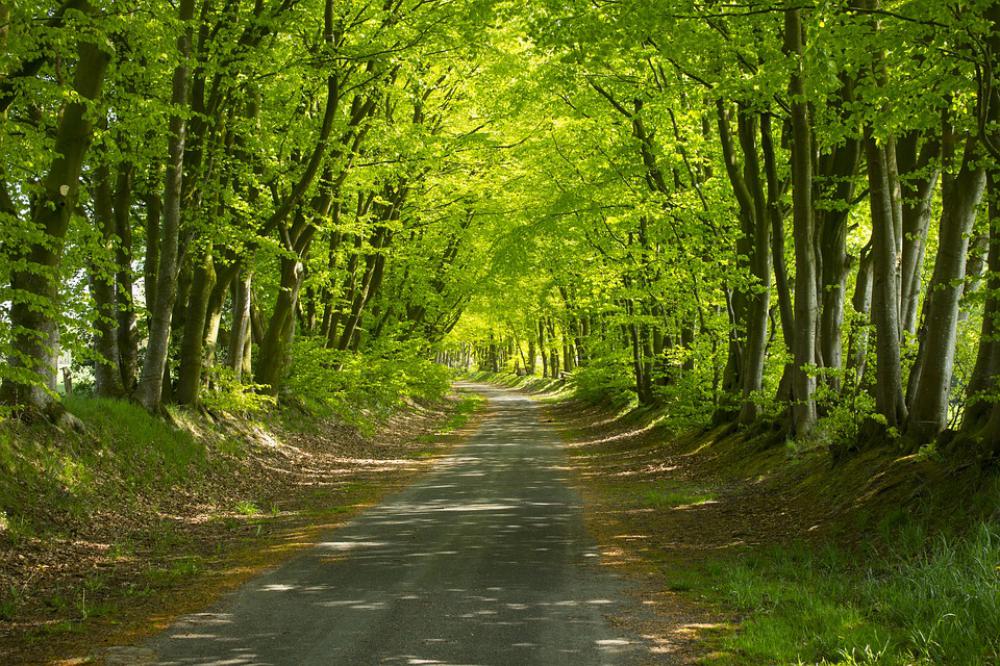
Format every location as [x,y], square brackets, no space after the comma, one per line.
[485,561]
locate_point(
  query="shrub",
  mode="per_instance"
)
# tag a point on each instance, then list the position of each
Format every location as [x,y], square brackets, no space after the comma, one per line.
[362,389]
[228,394]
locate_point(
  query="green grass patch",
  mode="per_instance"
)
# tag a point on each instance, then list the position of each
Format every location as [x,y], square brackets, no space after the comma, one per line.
[169,574]
[659,494]
[460,416]
[919,602]
[143,442]
[674,497]
[464,411]
[124,455]
[247,508]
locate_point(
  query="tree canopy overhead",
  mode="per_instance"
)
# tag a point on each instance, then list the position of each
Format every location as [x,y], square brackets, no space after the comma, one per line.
[758,211]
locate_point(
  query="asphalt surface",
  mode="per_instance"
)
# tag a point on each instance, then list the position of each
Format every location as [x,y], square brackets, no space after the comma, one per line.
[483,561]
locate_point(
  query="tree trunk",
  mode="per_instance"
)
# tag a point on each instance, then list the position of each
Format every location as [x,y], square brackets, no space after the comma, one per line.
[192,342]
[107,373]
[213,315]
[128,339]
[919,180]
[838,169]
[150,388]
[960,196]
[975,271]
[529,365]
[30,378]
[804,345]
[885,294]
[861,302]
[981,400]
[154,212]
[543,348]
[240,338]
[760,267]
[273,352]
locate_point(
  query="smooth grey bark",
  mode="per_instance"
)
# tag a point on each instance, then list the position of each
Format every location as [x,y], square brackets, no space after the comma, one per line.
[918,179]
[224,277]
[806,306]
[776,211]
[149,391]
[239,340]
[885,294]
[861,302]
[896,207]
[154,214]
[975,270]
[960,197]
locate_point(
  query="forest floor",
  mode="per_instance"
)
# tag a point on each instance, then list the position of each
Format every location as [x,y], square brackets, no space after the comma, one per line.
[744,551]
[95,559]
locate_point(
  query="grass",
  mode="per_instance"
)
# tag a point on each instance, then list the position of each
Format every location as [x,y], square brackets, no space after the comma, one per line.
[919,602]
[129,430]
[675,497]
[125,450]
[247,508]
[921,589]
[659,494]
[464,411]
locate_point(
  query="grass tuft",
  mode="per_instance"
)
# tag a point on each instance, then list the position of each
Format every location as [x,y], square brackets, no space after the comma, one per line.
[936,603]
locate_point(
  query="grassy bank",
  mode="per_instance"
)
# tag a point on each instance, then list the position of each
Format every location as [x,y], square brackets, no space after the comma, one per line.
[107,534]
[912,599]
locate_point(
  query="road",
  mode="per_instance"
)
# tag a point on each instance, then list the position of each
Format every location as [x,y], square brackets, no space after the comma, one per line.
[483,561]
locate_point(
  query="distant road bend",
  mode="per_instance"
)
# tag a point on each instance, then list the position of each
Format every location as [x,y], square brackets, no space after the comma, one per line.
[483,561]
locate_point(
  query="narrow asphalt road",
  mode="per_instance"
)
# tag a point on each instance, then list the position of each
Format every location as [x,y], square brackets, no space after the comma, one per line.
[483,561]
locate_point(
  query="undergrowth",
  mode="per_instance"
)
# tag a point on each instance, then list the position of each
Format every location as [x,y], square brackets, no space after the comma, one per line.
[361,389]
[124,452]
[919,601]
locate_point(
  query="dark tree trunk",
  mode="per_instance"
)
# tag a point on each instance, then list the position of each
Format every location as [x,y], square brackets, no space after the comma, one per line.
[192,342]
[154,211]
[862,303]
[107,372]
[128,339]
[273,351]
[981,400]
[760,267]
[838,169]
